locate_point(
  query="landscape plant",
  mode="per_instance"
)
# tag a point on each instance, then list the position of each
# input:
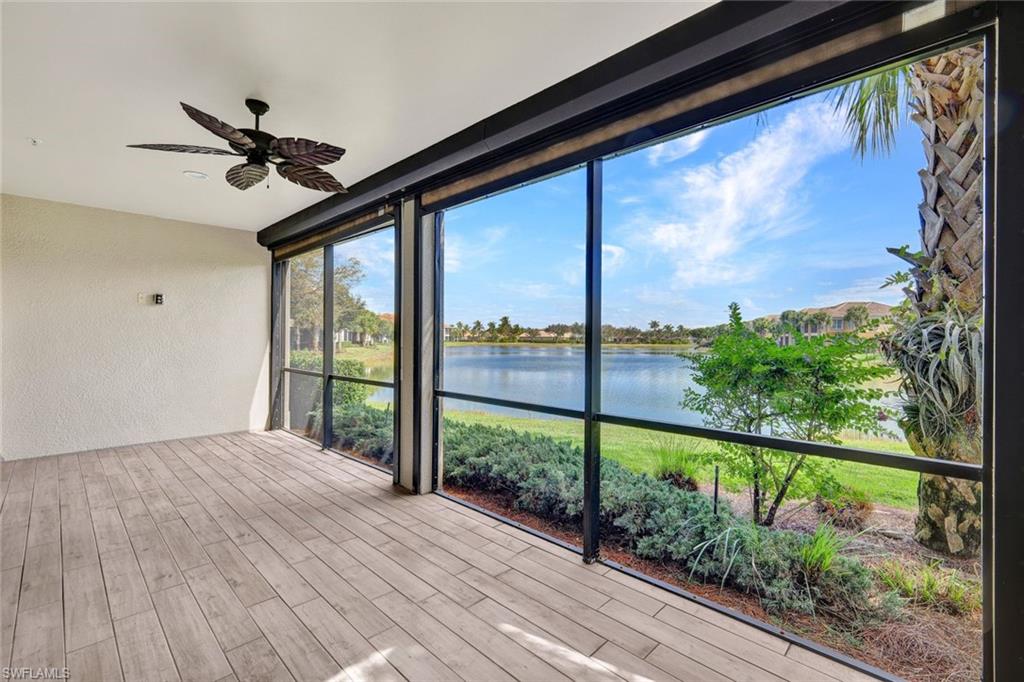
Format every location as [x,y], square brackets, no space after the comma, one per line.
[944,96]
[673,460]
[655,520]
[811,389]
[932,586]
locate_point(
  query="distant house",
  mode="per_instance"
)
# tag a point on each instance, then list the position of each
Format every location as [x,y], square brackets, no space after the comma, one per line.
[539,335]
[837,319]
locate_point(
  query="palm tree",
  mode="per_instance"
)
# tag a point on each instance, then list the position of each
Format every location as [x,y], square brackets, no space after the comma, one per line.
[857,316]
[944,96]
[819,322]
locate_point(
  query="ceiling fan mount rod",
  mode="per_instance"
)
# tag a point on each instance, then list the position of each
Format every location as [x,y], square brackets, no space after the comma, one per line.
[258,108]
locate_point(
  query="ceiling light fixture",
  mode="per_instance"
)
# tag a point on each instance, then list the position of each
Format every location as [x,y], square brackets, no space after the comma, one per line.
[195,175]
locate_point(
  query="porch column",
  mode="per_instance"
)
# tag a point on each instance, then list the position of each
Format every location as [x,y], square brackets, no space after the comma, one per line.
[416,350]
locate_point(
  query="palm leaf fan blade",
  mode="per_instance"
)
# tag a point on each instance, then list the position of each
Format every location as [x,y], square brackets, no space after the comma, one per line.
[309,177]
[184,149]
[245,175]
[219,127]
[307,152]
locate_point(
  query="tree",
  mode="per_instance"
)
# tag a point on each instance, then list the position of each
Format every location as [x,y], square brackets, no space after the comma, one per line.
[793,319]
[761,326]
[945,97]
[857,316]
[505,330]
[369,324]
[811,390]
[819,322]
[347,305]
[477,329]
[306,297]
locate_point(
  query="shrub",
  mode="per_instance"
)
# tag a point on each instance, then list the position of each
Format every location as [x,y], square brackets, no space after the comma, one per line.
[658,521]
[345,393]
[368,431]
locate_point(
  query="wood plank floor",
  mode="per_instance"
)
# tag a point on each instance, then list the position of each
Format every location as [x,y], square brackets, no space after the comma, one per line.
[255,556]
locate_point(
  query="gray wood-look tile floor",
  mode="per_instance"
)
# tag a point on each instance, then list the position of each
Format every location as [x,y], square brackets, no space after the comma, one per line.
[255,556]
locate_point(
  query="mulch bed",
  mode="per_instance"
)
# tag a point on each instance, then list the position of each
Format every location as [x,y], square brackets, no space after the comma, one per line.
[923,646]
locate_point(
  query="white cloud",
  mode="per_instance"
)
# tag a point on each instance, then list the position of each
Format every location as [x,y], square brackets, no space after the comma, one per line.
[673,150]
[865,289]
[376,252]
[535,290]
[754,193]
[612,259]
[461,253]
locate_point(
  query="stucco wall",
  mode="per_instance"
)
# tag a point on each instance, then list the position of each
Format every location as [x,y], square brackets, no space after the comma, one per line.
[85,365]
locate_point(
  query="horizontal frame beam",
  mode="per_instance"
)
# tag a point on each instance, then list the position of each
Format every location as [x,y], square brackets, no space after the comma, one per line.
[360,380]
[726,34]
[341,232]
[303,372]
[923,465]
[512,404]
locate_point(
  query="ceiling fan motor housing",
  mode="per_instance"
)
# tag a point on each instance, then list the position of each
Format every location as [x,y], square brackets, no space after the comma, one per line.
[264,145]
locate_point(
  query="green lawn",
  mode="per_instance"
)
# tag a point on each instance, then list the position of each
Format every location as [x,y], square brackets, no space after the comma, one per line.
[379,356]
[634,448]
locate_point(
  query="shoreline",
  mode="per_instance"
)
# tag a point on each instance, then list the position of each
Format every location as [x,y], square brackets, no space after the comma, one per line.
[557,344]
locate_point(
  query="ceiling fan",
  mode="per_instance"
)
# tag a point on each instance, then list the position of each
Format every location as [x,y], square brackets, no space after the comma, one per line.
[297,159]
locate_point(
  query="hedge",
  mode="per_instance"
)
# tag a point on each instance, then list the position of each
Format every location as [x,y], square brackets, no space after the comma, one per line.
[653,519]
[345,392]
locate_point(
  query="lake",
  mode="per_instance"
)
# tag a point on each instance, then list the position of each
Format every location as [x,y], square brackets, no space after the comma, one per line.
[636,382]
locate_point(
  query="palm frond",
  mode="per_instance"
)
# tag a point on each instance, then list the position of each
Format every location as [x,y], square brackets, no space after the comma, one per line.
[873,107]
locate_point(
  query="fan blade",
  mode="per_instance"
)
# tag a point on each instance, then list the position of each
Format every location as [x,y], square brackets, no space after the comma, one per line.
[245,175]
[309,177]
[307,152]
[185,148]
[219,127]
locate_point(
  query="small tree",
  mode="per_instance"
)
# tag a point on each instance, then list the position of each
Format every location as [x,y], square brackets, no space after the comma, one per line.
[811,390]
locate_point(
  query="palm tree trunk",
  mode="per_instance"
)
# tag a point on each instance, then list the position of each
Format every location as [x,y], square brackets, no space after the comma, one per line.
[949,107]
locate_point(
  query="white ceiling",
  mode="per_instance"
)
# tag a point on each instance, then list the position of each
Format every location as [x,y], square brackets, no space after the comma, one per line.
[382,80]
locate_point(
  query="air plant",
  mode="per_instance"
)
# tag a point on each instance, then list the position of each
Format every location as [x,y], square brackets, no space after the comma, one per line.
[940,360]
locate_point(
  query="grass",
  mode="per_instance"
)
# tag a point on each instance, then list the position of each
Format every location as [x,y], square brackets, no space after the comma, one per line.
[931,585]
[380,356]
[644,451]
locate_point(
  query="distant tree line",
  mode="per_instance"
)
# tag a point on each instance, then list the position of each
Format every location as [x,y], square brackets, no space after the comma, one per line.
[656,332]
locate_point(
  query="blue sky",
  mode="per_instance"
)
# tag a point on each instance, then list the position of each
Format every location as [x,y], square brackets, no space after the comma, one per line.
[773,213]
[376,253]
